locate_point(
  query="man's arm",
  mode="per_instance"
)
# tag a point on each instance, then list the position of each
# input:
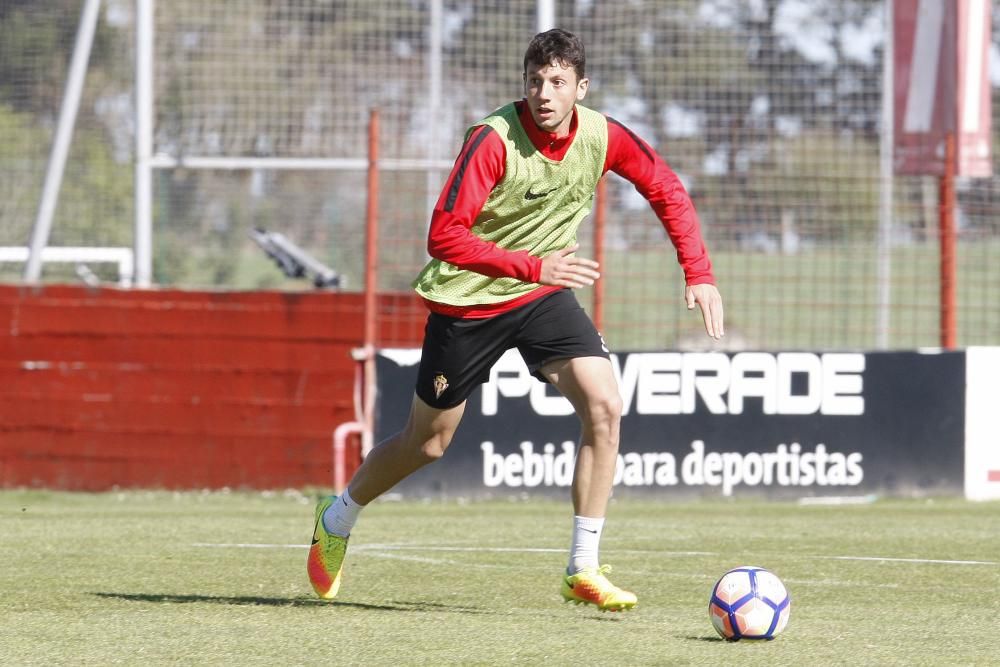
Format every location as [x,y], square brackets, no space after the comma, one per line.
[478,169]
[632,158]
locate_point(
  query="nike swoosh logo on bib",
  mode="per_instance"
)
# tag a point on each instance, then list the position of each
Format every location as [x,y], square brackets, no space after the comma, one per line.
[531,195]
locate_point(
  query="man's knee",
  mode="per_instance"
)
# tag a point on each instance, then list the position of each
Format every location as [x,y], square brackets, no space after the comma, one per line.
[605,411]
[427,444]
[429,431]
[433,448]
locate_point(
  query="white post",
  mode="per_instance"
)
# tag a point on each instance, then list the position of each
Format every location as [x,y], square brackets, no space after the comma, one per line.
[144,17]
[434,102]
[60,145]
[883,246]
[545,15]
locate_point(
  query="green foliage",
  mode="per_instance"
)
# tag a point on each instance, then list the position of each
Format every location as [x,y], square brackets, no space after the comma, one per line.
[35,47]
[823,183]
[95,201]
[22,153]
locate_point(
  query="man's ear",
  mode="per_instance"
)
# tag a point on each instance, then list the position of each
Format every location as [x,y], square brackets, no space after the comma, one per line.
[581,89]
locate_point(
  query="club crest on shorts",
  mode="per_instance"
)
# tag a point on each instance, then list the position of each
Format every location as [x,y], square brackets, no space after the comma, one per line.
[440,384]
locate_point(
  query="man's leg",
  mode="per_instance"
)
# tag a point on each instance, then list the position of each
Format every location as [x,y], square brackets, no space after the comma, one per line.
[589,384]
[424,439]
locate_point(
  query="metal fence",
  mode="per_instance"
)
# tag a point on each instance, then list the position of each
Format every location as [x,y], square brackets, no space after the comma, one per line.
[769,111]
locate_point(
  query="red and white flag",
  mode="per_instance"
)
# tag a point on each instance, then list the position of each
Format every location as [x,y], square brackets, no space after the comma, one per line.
[941,85]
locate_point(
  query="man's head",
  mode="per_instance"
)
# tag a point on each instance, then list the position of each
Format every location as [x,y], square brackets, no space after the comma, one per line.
[556,46]
[554,81]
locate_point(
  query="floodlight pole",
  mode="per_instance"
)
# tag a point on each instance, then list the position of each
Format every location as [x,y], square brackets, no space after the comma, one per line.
[434,78]
[545,15]
[143,241]
[883,247]
[60,145]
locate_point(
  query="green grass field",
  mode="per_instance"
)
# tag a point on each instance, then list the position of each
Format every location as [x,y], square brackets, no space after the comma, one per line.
[160,578]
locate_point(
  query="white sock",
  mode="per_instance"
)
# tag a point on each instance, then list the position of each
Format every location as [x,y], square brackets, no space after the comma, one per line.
[586,539]
[341,516]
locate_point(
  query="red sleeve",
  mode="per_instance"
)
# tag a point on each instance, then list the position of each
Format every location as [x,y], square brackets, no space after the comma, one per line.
[478,169]
[632,158]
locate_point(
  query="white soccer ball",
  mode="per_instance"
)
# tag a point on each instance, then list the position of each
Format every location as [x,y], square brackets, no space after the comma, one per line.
[749,603]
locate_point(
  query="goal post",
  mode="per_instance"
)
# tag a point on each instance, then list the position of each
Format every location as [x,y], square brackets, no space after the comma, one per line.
[122,258]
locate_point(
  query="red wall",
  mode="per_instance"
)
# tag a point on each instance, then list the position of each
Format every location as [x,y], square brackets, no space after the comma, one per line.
[173,389]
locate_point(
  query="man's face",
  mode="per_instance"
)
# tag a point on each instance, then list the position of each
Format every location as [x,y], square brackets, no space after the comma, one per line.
[551,92]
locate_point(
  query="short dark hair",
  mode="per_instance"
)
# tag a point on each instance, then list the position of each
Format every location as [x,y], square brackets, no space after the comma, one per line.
[556,45]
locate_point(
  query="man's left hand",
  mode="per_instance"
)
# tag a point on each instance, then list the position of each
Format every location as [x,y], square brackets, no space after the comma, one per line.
[708,298]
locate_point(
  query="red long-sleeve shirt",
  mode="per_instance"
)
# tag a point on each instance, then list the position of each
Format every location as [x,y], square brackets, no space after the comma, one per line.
[480,167]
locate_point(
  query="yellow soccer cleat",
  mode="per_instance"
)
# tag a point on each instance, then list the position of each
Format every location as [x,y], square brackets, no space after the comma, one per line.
[326,555]
[591,586]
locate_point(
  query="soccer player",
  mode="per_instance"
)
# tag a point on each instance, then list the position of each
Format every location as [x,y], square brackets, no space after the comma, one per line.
[504,264]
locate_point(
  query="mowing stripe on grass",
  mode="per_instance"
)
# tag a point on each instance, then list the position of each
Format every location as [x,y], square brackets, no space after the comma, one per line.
[921,561]
[249,546]
[427,547]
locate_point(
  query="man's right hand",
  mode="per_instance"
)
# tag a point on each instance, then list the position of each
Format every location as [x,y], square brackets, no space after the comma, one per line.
[562,269]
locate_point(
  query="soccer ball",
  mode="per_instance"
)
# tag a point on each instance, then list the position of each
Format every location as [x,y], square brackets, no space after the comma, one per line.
[749,603]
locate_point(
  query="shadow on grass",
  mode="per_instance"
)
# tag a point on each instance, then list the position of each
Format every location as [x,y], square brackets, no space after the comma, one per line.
[256,601]
[704,638]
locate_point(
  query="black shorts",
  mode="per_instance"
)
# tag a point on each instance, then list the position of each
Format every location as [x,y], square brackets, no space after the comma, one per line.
[459,353]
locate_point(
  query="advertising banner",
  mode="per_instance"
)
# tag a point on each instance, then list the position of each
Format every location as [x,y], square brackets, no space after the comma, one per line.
[710,424]
[982,424]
